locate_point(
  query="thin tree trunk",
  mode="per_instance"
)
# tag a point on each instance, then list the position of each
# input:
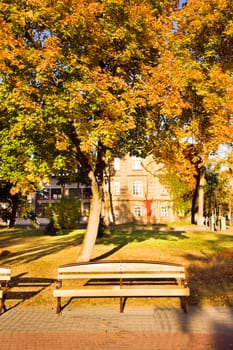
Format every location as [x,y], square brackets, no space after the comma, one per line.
[93,221]
[198,198]
[15,203]
[230,212]
[200,212]
[194,201]
[110,217]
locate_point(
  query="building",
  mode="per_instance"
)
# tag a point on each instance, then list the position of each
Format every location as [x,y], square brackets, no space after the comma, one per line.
[136,193]
[52,192]
[132,193]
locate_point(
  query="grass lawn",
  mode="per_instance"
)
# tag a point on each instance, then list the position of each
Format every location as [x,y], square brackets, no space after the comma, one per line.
[34,258]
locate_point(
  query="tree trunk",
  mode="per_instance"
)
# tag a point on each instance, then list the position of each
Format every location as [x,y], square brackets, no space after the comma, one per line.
[15,203]
[194,201]
[108,210]
[93,221]
[200,212]
[230,212]
[198,198]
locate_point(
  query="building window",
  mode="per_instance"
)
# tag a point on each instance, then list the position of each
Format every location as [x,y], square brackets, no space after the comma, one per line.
[75,192]
[43,194]
[137,189]
[116,163]
[138,211]
[164,210]
[56,193]
[117,188]
[136,163]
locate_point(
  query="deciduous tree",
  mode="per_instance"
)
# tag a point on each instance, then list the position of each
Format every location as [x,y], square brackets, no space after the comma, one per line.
[202,45]
[81,79]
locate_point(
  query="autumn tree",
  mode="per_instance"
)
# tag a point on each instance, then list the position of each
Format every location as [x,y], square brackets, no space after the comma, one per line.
[202,45]
[180,191]
[81,80]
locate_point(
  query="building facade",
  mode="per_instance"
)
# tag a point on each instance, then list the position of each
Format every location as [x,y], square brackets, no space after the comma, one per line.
[132,193]
[52,193]
[136,193]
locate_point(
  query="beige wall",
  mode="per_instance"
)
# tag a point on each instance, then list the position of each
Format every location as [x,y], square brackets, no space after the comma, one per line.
[125,204]
[129,207]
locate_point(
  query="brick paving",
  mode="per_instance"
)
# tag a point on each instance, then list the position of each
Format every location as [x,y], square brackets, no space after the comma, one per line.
[104,328]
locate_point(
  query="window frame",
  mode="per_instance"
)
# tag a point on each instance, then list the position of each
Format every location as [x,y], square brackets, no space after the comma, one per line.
[164,210]
[137,188]
[117,188]
[138,211]
[136,163]
[116,164]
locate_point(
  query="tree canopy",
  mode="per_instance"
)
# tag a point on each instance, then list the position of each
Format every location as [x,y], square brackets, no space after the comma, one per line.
[82,80]
[202,45]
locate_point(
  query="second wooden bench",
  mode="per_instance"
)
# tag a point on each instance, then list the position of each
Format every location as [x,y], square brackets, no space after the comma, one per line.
[5,276]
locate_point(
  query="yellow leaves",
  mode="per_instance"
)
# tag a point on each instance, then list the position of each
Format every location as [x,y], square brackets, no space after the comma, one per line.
[205,26]
[61,145]
[165,85]
[62,142]
[220,79]
[75,94]
[95,8]
[204,51]
[98,62]
[215,90]
[229,28]
[49,55]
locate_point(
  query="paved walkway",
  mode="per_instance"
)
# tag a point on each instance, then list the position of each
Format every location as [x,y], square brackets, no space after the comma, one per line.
[138,328]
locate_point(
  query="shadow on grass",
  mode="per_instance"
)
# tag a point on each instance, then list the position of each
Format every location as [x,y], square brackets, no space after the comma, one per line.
[210,272]
[119,237]
[23,288]
[123,235]
[11,237]
[211,278]
[37,250]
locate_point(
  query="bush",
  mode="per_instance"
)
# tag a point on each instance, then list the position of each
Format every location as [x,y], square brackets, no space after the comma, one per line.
[63,215]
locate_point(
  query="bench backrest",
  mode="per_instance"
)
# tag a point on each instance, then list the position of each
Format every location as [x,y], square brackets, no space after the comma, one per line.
[5,273]
[121,269]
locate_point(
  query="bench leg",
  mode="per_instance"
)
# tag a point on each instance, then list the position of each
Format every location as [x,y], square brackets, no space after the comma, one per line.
[122,304]
[1,306]
[58,305]
[2,303]
[184,305]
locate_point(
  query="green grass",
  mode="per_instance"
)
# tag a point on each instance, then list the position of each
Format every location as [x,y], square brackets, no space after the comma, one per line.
[34,258]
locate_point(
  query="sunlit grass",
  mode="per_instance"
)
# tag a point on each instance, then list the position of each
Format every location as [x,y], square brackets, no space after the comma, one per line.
[34,258]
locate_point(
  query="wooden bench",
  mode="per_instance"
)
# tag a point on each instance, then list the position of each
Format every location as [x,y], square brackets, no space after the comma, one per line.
[122,279]
[5,276]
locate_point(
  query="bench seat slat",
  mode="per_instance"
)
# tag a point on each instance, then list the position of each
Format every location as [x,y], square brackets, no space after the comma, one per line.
[5,278]
[123,292]
[5,273]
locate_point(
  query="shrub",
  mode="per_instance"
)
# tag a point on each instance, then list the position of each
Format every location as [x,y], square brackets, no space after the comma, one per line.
[63,215]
